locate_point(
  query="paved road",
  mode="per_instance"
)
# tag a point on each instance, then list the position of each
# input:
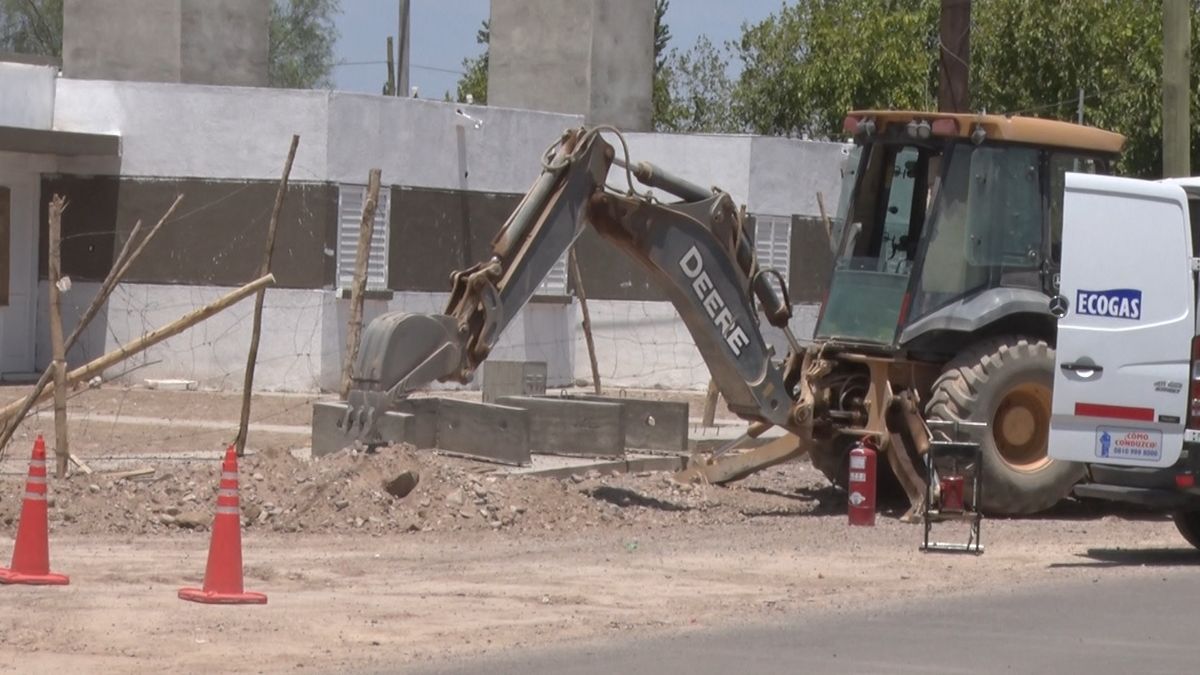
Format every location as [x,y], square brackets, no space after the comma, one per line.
[1118,623]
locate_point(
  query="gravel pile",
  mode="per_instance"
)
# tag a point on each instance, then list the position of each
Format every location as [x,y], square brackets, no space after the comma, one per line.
[400,490]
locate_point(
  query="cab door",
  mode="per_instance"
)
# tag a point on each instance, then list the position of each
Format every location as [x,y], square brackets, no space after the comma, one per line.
[1126,321]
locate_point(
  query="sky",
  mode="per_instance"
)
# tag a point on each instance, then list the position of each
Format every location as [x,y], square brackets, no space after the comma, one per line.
[443,34]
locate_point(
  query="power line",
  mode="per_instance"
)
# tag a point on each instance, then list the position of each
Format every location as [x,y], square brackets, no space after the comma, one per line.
[1073,99]
[435,69]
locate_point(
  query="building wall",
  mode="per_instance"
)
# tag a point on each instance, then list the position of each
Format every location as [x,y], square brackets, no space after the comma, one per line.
[28,95]
[292,352]
[216,236]
[453,175]
[645,344]
[19,176]
[181,131]
[302,344]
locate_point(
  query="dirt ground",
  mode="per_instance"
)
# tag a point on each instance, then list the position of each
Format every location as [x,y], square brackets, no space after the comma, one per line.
[471,560]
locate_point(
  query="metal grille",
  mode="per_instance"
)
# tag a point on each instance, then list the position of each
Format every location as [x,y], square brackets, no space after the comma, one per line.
[350,206]
[555,282]
[773,242]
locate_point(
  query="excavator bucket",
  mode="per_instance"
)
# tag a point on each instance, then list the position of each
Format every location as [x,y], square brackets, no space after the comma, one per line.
[400,353]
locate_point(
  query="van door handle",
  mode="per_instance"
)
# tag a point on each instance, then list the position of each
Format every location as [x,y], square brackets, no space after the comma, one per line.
[1079,367]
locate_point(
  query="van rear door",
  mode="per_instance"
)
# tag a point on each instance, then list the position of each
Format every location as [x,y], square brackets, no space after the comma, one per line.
[1126,309]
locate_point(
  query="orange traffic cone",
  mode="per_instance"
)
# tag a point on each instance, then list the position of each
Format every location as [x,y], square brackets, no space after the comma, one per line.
[223,576]
[31,556]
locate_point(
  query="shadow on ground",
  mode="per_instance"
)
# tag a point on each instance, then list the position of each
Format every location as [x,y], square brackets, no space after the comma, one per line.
[625,497]
[1132,557]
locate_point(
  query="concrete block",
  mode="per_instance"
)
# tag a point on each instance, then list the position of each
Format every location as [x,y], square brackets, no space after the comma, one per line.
[651,425]
[422,432]
[513,378]
[483,430]
[562,426]
[328,437]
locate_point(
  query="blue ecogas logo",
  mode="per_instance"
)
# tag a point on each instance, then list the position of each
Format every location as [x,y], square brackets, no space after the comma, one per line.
[1117,303]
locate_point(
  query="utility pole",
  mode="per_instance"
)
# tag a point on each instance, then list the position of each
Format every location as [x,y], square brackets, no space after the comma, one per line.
[1176,103]
[954,56]
[389,87]
[402,51]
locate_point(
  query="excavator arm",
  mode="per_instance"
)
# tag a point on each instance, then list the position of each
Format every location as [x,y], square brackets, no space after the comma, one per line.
[698,250]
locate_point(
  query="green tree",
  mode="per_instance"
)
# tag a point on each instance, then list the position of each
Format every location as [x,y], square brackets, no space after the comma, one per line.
[474,80]
[302,36]
[661,93]
[698,92]
[1033,58]
[31,26]
[804,67]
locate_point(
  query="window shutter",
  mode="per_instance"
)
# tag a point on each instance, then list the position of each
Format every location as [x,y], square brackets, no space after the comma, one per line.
[555,282]
[351,199]
[773,243]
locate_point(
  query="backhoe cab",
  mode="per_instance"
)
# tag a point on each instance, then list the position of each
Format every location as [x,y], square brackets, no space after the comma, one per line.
[947,248]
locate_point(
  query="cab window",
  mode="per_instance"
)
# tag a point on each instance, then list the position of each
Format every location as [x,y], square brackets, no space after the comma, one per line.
[1059,164]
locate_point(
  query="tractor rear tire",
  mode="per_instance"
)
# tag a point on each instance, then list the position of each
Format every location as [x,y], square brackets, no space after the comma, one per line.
[1188,524]
[1006,382]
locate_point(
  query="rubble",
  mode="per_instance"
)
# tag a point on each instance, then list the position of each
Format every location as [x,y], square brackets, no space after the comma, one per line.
[402,490]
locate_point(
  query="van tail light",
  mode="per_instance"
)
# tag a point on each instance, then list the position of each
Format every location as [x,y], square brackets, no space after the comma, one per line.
[1185,481]
[1193,418]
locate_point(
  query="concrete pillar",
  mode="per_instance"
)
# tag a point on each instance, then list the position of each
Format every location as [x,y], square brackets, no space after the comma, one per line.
[225,42]
[122,39]
[196,41]
[589,57]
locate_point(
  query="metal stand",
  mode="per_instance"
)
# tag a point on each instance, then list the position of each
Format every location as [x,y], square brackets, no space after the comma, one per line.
[955,469]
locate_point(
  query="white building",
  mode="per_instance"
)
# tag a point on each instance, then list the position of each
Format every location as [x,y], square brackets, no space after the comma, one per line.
[120,151]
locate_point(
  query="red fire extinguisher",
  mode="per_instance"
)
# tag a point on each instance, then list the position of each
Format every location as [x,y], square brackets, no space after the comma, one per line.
[863,458]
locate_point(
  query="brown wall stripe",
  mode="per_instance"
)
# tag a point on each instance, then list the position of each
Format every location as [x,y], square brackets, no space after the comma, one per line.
[218,233]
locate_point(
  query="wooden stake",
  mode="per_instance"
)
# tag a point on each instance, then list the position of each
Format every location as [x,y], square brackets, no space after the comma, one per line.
[124,260]
[256,327]
[98,366]
[824,216]
[587,320]
[81,464]
[362,256]
[62,446]
[132,473]
[710,403]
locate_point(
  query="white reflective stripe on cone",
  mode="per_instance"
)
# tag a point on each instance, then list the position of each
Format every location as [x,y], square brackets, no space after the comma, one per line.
[227,510]
[37,463]
[36,480]
[229,475]
[35,496]
[227,493]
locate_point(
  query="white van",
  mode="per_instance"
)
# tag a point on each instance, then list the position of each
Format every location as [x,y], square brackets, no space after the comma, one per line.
[1127,383]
